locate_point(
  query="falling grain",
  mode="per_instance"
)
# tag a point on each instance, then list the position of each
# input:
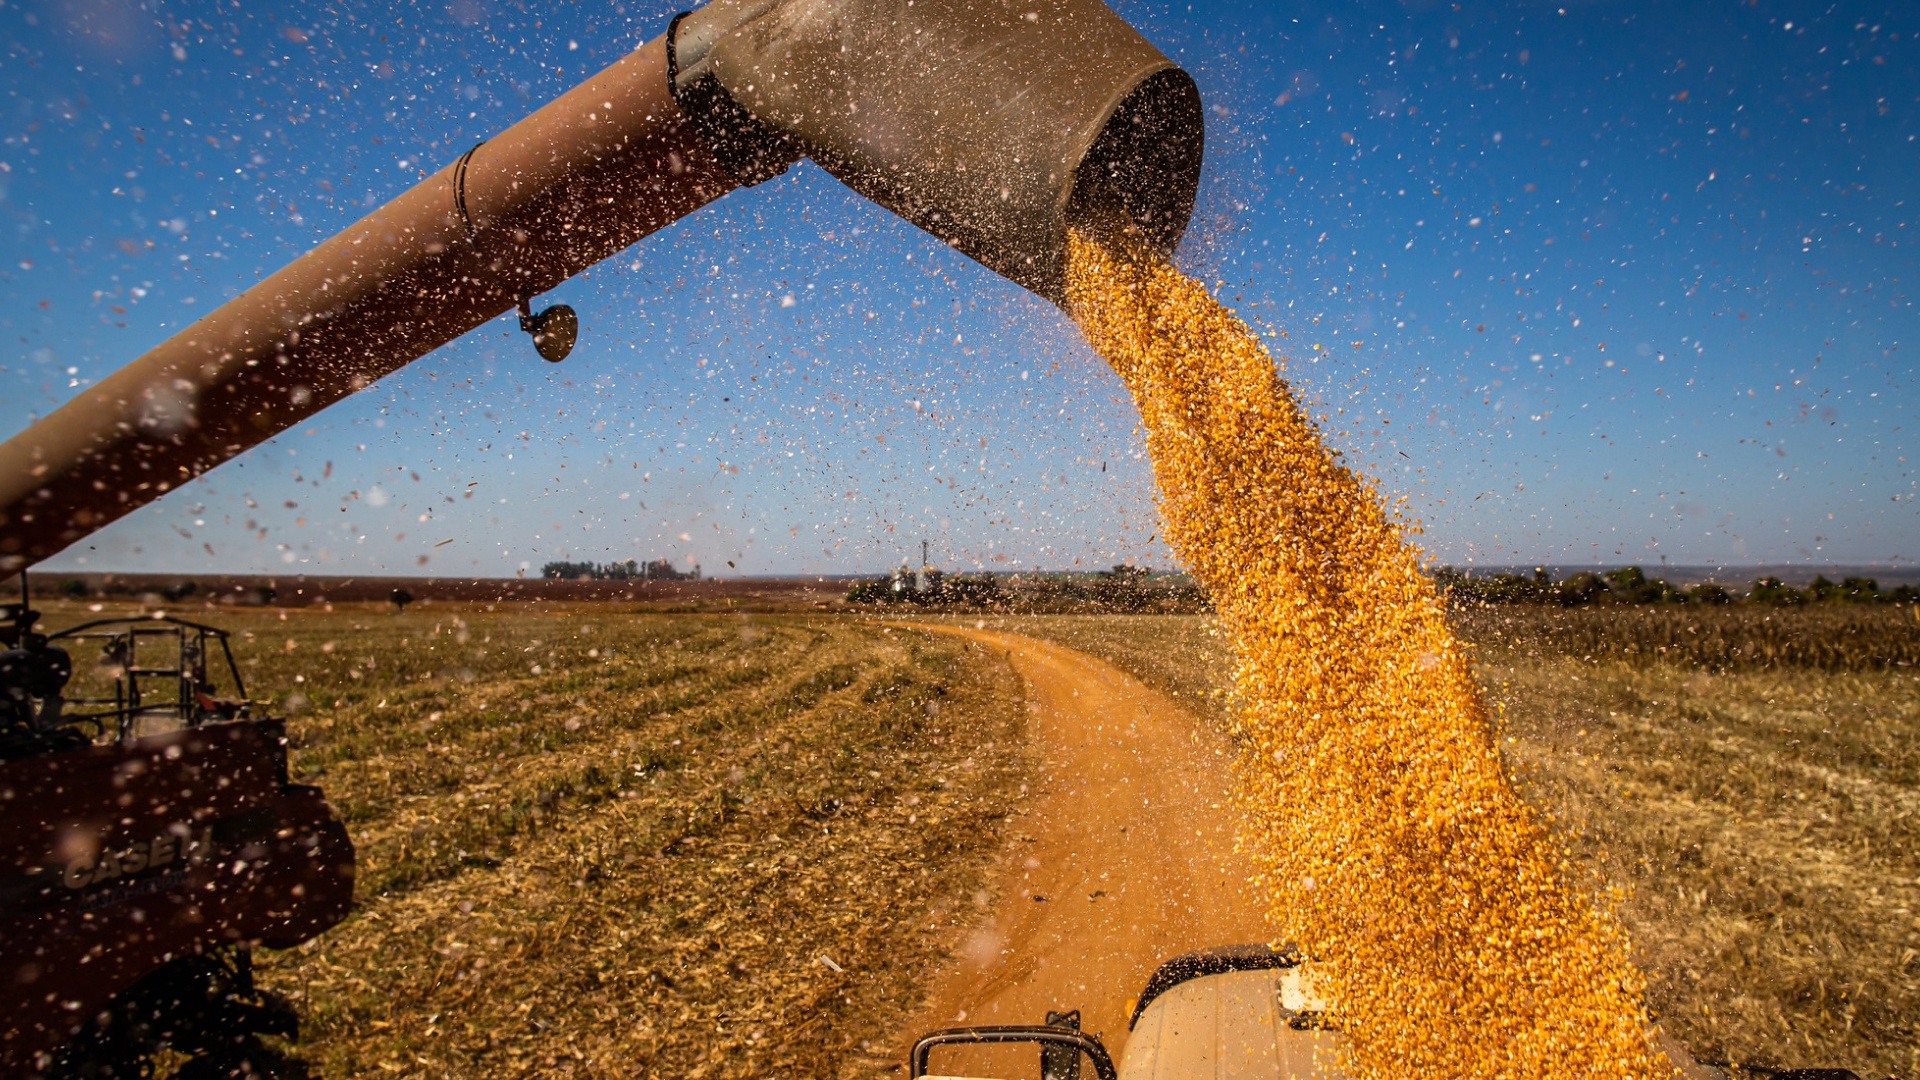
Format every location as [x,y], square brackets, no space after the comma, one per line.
[1376,804]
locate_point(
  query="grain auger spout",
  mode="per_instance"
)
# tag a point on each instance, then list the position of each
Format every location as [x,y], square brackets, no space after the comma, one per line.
[989,125]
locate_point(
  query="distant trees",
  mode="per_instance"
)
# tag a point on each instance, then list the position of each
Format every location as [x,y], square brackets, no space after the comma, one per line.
[1709,593]
[1122,588]
[1771,590]
[570,571]
[1851,590]
[1631,585]
[630,570]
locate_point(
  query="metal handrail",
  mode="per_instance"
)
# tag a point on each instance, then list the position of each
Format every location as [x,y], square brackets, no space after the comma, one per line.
[128,702]
[1013,1033]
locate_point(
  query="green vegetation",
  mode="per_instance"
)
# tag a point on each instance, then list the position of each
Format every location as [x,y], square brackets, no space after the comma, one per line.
[966,591]
[1134,590]
[655,570]
[1830,637]
[1631,585]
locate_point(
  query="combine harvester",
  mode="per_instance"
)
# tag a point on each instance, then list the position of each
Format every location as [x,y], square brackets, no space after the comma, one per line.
[146,842]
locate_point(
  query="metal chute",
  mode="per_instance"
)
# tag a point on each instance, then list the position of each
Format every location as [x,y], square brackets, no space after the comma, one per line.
[988,124]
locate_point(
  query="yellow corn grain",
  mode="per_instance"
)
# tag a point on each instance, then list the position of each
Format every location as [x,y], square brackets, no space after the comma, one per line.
[1379,814]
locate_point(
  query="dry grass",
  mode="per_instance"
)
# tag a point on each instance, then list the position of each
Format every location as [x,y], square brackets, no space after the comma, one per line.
[605,844]
[1763,823]
[1764,826]
[532,905]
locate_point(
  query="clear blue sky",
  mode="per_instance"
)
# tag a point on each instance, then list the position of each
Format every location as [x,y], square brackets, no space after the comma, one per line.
[1582,281]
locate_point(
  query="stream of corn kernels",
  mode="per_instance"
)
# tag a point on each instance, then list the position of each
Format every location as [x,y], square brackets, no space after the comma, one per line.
[1382,821]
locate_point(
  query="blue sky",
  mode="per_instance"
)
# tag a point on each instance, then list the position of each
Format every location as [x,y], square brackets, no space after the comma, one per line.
[1581,282]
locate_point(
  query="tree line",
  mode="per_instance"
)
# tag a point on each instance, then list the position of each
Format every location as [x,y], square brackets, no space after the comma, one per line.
[1631,585]
[630,570]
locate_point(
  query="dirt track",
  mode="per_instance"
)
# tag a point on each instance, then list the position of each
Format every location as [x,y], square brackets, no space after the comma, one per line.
[1124,858]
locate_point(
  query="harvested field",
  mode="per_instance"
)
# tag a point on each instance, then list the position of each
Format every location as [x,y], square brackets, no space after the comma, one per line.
[667,922]
[1830,636]
[1763,824]
[1761,821]
[598,843]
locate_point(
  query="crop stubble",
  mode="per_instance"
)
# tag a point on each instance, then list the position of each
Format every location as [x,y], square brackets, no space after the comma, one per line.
[600,843]
[1761,819]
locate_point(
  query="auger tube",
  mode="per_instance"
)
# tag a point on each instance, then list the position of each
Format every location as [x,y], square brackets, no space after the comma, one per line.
[988,125]
[595,170]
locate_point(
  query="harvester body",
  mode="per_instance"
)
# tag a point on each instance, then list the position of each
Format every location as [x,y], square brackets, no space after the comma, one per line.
[148,821]
[202,845]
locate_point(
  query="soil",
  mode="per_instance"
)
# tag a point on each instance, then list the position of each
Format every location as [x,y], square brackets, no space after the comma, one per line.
[1123,858]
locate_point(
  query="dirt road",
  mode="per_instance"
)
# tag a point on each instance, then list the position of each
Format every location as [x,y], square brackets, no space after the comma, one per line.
[1124,859]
